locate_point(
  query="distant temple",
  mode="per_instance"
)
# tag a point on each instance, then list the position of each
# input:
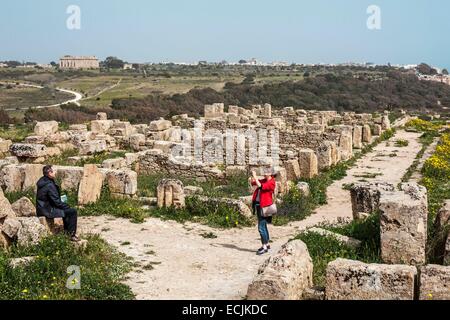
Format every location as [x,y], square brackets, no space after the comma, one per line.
[70,62]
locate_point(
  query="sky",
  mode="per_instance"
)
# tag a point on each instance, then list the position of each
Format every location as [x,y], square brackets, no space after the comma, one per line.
[314,31]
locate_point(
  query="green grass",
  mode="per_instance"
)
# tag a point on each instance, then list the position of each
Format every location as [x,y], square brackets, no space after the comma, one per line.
[102,269]
[14,196]
[426,140]
[214,215]
[401,143]
[107,205]
[232,187]
[63,158]
[16,134]
[324,249]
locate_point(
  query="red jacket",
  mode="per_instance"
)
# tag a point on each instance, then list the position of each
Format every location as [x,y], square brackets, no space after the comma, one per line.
[267,190]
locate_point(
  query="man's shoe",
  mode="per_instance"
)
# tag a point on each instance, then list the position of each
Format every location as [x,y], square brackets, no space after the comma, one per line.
[75,238]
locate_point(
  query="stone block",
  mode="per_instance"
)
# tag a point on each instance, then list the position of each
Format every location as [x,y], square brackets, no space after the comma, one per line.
[24,150]
[90,185]
[24,208]
[403,225]
[284,276]
[46,128]
[308,163]
[355,280]
[434,283]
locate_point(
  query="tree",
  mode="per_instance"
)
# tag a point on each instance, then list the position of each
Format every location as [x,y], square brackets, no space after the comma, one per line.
[113,63]
[425,69]
[445,71]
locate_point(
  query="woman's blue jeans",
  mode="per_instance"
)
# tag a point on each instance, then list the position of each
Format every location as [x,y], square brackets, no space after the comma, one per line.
[262,226]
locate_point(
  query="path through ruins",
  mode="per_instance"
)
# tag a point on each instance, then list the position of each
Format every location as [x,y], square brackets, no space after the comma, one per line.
[178,263]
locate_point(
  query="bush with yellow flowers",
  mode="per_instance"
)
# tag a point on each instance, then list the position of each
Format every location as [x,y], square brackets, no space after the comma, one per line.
[438,165]
[423,125]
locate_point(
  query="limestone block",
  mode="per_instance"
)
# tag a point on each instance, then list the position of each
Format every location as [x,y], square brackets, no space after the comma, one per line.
[45,128]
[377,130]
[346,145]
[5,145]
[31,232]
[90,185]
[170,193]
[92,147]
[367,134]
[11,227]
[348,241]
[284,276]
[31,173]
[12,178]
[101,126]
[24,150]
[403,225]
[434,283]
[70,177]
[357,137]
[160,125]
[355,280]
[385,123]
[292,169]
[24,208]
[122,181]
[308,163]
[366,197]
[101,116]
[114,164]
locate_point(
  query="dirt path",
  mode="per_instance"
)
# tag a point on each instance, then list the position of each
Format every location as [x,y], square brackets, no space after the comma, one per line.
[178,263]
[74,100]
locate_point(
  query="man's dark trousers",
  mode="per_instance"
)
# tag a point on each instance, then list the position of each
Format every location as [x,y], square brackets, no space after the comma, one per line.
[70,221]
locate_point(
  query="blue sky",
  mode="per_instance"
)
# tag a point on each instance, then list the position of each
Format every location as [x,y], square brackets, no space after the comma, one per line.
[300,31]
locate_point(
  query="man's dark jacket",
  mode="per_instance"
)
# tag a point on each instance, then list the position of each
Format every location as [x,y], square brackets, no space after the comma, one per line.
[48,199]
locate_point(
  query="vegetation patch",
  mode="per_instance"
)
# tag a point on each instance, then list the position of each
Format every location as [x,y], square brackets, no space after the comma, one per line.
[324,249]
[109,205]
[217,215]
[232,187]
[45,278]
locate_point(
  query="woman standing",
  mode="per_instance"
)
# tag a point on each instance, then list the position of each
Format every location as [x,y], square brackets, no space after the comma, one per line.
[263,198]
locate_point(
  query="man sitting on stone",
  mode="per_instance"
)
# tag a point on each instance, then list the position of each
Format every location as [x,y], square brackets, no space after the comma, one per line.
[50,205]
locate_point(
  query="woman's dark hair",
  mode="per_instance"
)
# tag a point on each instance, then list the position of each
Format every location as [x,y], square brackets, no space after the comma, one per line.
[46,170]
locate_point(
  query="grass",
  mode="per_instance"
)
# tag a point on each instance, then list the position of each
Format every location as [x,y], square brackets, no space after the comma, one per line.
[45,278]
[214,215]
[436,178]
[324,249]
[14,196]
[401,143]
[98,158]
[107,205]
[17,133]
[232,187]
[426,140]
